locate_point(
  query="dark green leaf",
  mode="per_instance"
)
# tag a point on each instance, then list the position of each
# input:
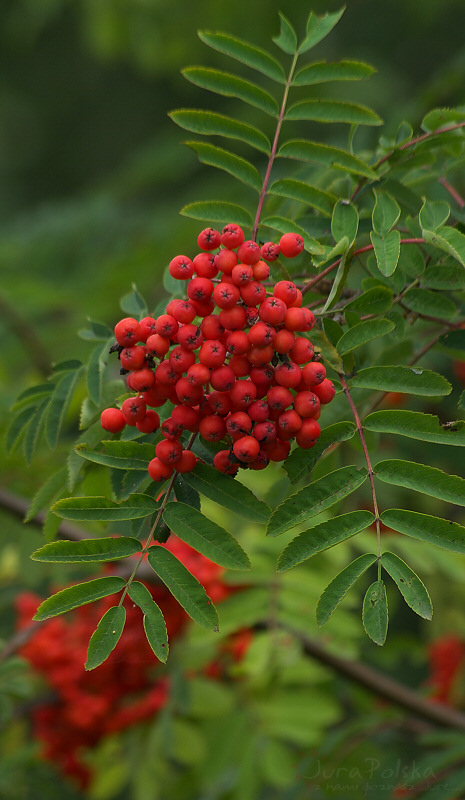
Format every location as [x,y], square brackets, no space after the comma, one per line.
[375,612]
[106,636]
[432,304]
[185,493]
[249,54]
[287,39]
[328,351]
[448,239]
[205,536]
[79,595]
[314,498]
[317,110]
[70,364]
[340,585]
[154,623]
[46,493]
[97,331]
[34,429]
[325,155]
[225,83]
[444,276]
[421,478]
[387,251]
[441,118]
[304,193]
[217,211]
[318,28]
[374,301]
[416,425]
[364,332]
[412,260]
[32,396]
[385,213]
[344,221]
[212,124]
[283,225]
[409,380]
[107,549]
[338,282]
[322,72]
[104,510]
[441,532]
[59,404]
[120,455]
[228,492]
[222,159]
[323,536]
[433,214]
[134,304]
[301,462]
[410,586]
[95,372]
[189,593]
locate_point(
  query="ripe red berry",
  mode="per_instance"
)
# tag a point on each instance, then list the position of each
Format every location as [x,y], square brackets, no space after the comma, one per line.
[219,402]
[291,244]
[204,265]
[128,332]
[302,351]
[184,311]
[237,343]
[199,289]
[240,365]
[159,471]
[308,433]
[188,393]
[233,319]
[222,378]
[133,357]
[142,379]
[157,345]
[272,310]
[147,326]
[325,391]
[261,271]
[225,462]
[261,334]
[313,373]
[288,374]
[181,267]
[211,327]
[190,336]
[249,252]
[113,420]
[187,462]
[253,293]
[168,451]
[259,410]
[212,428]
[226,295]
[286,291]
[232,236]
[181,359]
[212,353]
[270,251]
[279,398]
[199,374]
[307,404]
[246,448]
[186,417]
[295,319]
[238,424]
[288,424]
[225,261]
[242,274]
[284,341]
[277,450]
[265,432]
[170,430]
[150,423]
[242,394]
[209,239]
[134,410]
[166,325]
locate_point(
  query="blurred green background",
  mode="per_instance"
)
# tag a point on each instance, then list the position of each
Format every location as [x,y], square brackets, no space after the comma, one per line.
[93,175]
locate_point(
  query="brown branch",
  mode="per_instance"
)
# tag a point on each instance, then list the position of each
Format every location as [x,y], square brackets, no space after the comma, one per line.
[453,192]
[383,686]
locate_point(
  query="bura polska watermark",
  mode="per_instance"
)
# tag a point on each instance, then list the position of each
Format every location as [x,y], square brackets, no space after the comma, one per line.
[370,776]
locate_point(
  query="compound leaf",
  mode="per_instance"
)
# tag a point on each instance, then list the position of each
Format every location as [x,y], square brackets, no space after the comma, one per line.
[385,213]
[317,110]
[59,403]
[327,156]
[318,28]
[119,455]
[304,193]
[441,532]
[287,39]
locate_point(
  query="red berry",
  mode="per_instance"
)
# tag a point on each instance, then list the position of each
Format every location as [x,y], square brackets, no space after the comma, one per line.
[291,244]
[128,332]
[253,293]
[219,402]
[261,271]
[265,432]
[134,410]
[288,374]
[313,373]
[284,341]
[187,462]
[246,449]
[198,374]
[133,357]
[158,345]
[249,252]
[279,398]
[168,451]
[166,325]
[302,351]
[233,319]
[190,336]
[307,404]
[242,274]
[150,423]
[199,289]
[142,379]
[270,251]
[224,462]
[308,433]
[181,267]
[204,265]
[240,365]
[209,239]
[286,291]
[225,261]
[184,311]
[261,334]
[188,393]
[325,391]
[232,236]
[238,424]
[242,394]
[272,310]
[159,471]
[211,327]
[226,295]
[186,418]
[222,378]
[113,420]
[212,428]
[181,359]
[147,326]
[212,354]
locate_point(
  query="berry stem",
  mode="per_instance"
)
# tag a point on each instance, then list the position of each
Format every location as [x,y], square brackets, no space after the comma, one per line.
[154,526]
[361,434]
[274,148]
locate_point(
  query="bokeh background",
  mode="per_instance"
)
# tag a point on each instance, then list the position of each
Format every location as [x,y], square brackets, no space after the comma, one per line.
[93,175]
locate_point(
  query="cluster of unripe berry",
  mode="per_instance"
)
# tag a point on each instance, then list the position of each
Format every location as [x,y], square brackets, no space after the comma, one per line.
[243,375]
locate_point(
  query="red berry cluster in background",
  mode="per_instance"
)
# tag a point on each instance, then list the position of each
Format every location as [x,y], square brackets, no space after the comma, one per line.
[130,686]
[447,662]
[242,375]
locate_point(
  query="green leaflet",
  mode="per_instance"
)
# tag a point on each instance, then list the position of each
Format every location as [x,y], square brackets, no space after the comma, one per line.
[106,636]
[421,478]
[325,155]
[222,159]
[441,118]
[432,304]
[322,536]
[301,462]
[96,370]
[225,83]
[340,585]
[185,493]
[88,550]
[97,331]
[322,72]
[154,622]
[416,425]
[32,396]
[248,54]
[338,282]
[410,586]
[211,124]
[218,211]
[317,110]
[448,239]
[385,213]
[441,532]
[318,28]
[314,498]
[104,510]
[344,221]
[46,493]
[287,39]
[444,276]
[363,333]
[59,403]
[433,214]
[375,612]
[134,304]
[79,595]
[228,492]
[120,455]
[187,590]
[409,380]
[205,536]
[304,193]
[387,251]
[34,429]
[377,300]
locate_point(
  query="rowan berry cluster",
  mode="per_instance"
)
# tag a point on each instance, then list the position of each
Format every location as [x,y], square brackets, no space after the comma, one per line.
[242,375]
[80,708]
